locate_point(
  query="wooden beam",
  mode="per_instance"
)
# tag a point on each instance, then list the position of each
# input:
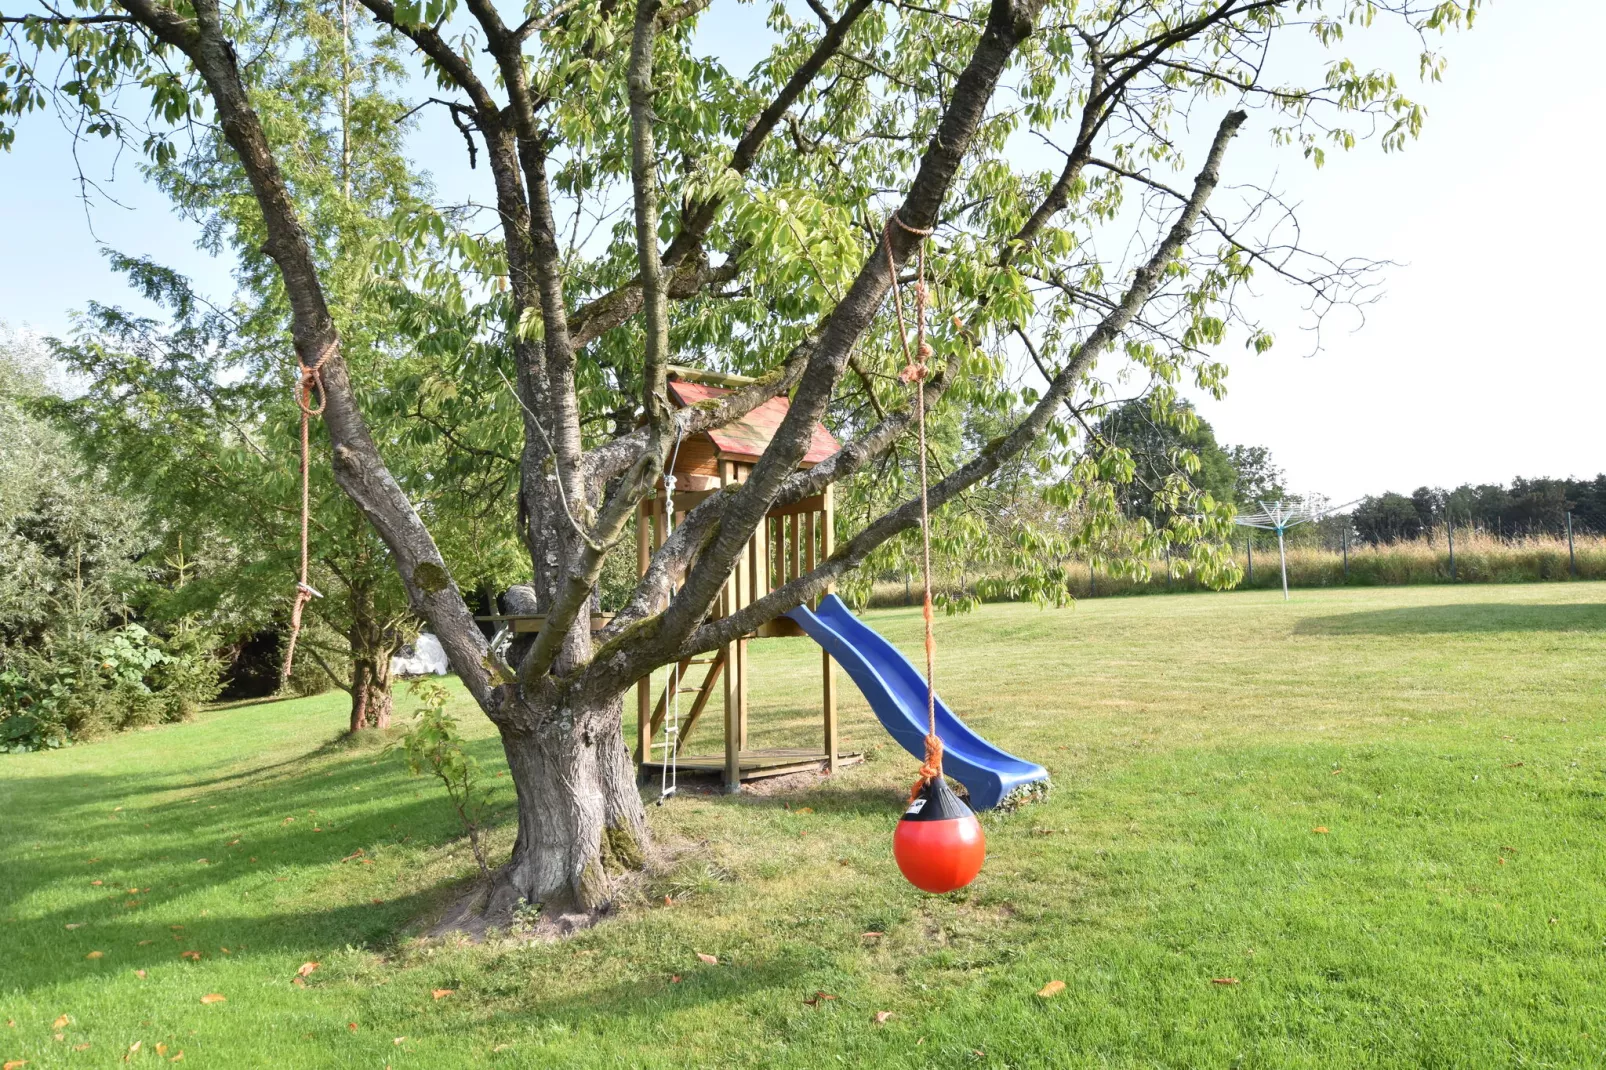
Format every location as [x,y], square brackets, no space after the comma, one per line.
[733,728]
[699,375]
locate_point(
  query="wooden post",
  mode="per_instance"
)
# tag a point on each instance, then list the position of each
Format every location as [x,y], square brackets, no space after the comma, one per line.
[644,685]
[733,670]
[827,666]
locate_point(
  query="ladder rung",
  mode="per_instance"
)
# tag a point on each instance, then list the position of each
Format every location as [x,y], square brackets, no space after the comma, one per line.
[702,661]
[687,690]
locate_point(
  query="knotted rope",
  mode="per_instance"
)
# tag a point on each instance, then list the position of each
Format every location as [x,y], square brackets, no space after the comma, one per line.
[309,380]
[916,371]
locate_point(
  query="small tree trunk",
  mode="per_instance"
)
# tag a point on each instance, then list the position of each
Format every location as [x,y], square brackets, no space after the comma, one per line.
[371,699]
[581,822]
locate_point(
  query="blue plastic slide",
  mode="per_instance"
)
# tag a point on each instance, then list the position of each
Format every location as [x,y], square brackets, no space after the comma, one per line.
[896,691]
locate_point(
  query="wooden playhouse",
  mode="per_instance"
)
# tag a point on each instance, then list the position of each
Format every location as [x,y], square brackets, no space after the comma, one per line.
[790,542]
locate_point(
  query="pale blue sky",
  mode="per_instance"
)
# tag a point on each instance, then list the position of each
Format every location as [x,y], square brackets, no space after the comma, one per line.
[1483,361]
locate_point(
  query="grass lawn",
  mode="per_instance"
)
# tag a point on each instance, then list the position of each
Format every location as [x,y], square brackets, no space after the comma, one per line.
[1378,812]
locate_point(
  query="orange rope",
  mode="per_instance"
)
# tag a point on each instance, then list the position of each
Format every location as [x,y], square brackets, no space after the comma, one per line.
[916,371]
[311,378]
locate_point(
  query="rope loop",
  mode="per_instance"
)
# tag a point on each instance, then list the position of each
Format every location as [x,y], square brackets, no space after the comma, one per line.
[916,371]
[308,380]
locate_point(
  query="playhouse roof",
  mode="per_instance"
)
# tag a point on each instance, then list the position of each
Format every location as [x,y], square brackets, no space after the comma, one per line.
[745,439]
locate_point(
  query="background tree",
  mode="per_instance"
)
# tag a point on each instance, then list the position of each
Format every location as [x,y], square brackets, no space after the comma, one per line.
[196,416]
[717,240]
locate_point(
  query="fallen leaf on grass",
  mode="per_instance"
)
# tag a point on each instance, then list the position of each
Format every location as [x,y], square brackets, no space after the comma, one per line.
[306,968]
[1515,765]
[882,1016]
[398,1040]
[140,974]
[143,943]
[203,862]
[161,1049]
[872,935]
[75,925]
[819,997]
[355,854]
[502,1047]
[1320,830]
[80,1047]
[287,820]
[212,997]
[710,959]
[177,1057]
[1501,860]
[1050,990]
[674,979]
[96,884]
[804,810]
[175,927]
[351,1026]
[95,955]
[232,843]
[441,993]
[16,1064]
[193,956]
[59,1023]
[378,902]
[1223,980]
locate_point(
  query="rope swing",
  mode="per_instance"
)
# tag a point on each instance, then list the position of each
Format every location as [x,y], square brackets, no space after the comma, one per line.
[938,845]
[309,380]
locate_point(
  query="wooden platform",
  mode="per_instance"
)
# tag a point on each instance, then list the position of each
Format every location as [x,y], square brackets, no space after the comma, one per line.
[757,764]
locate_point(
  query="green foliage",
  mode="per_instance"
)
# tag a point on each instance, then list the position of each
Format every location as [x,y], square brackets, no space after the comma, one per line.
[433,746]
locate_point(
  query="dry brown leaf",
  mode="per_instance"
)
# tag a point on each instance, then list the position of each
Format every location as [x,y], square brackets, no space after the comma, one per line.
[144,943]
[59,1023]
[1320,830]
[351,1026]
[306,968]
[1050,990]
[75,925]
[15,1064]
[96,884]
[175,928]
[161,1049]
[1223,980]
[710,959]
[81,1047]
[441,993]
[212,997]
[95,955]
[804,810]
[872,935]
[398,1040]
[674,979]
[193,956]
[177,1057]
[298,982]
[882,1016]
[140,974]
[132,1048]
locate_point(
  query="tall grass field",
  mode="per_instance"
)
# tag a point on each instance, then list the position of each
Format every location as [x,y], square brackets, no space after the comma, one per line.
[1479,558]
[1360,829]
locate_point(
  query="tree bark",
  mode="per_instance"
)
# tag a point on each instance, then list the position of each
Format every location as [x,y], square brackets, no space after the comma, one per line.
[371,698]
[581,821]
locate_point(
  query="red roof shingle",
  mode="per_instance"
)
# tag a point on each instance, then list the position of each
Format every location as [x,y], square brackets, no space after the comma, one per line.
[745,439]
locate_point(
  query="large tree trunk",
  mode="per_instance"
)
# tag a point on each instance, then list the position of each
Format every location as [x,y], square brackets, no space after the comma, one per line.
[581,821]
[371,698]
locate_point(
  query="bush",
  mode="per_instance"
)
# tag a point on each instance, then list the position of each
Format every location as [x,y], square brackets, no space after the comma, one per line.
[80,684]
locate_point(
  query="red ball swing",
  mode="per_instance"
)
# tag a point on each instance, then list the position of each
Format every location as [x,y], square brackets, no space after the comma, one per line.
[939,844]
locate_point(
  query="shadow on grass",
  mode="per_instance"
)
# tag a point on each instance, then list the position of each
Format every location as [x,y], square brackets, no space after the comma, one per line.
[1473,618]
[299,829]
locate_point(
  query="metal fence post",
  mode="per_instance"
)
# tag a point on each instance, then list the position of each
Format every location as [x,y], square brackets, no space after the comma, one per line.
[1572,562]
[1449,532]
[1249,544]
[1092,580]
[1343,538]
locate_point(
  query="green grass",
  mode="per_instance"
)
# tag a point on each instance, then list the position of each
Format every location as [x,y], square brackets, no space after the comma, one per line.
[1449,740]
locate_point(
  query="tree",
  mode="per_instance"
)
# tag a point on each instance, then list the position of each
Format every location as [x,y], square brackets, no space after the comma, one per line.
[761,222]
[1387,518]
[197,418]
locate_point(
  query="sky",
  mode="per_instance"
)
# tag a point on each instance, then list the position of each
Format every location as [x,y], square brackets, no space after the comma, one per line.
[1482,361]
